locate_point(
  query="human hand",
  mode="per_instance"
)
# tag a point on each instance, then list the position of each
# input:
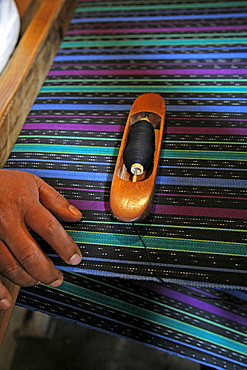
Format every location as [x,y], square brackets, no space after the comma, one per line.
[29,203]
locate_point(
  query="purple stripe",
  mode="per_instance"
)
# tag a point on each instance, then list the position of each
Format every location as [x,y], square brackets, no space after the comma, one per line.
[192,301]
[90,205]
[157,30]
[207,130]
[201,211]
[170,210]
[120,128]
[73,126]
[106,72]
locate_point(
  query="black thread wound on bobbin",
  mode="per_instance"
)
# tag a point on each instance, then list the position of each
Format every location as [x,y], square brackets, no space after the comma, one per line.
[140,145]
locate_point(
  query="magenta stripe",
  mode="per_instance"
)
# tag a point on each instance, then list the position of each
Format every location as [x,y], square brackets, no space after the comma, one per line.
[210,119]
[90,205]
[120,128]
[169,210]
[184,195]
[157,30]
[206,130]
[106,72]
[79,189]
[73,126]
[201,211]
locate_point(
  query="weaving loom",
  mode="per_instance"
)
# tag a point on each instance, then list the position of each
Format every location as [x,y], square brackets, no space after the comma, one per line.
[185,291]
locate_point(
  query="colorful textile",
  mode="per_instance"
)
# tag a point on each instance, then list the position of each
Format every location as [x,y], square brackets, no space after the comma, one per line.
[203,325]
[193,54]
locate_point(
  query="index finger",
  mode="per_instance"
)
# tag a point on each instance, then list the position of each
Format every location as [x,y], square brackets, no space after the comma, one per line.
[48,227]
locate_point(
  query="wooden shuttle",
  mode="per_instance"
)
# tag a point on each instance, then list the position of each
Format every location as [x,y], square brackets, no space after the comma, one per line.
[131,194]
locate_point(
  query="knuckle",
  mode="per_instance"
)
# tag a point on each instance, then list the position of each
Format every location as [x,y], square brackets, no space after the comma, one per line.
[16,274]
[12,271]
[50,226]
[30,258]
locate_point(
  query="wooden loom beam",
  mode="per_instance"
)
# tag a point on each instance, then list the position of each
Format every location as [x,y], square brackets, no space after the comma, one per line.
[44,23]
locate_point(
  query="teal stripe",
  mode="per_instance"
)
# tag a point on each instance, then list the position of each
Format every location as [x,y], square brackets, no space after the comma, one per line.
[72,149]
[204,154]
[98,150]
[163,305]
[151,316]
[143,89]
[126,7]
[203,41]
[132,241]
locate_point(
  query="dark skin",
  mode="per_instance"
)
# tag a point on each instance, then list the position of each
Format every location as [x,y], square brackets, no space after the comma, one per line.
[29,203]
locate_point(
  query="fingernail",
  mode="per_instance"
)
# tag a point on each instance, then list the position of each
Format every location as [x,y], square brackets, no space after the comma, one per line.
[74,210]
[75,259]
[5,304]
[57,282]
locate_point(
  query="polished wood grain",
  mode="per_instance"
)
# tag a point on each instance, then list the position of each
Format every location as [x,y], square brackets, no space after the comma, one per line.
[44,23]
[131,201]
[22,79]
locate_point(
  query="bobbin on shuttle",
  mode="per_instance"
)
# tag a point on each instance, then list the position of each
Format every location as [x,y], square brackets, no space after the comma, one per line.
[133,182]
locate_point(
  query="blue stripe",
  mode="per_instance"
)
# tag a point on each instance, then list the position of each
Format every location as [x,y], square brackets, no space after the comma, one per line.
[168,265]
[198,181]
[161,180]
[159,18]
[204,350]
[73,175]
[116,107]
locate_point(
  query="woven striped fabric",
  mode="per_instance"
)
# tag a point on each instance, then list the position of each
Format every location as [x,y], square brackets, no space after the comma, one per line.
[204,325]
[194,54]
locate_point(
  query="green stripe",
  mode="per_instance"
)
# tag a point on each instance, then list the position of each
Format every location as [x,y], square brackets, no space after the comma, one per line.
[162,243]
[204,41]
[150,316]
[98,150]
[158,303]
[140,6]
[143,89]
